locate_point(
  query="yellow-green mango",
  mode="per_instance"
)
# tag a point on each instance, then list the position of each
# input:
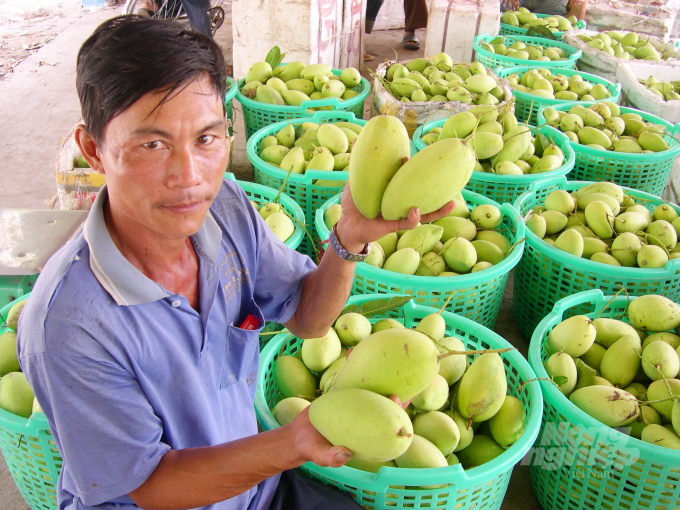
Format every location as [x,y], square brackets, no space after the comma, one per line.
[574,335]
[438,428]
[658,390]
[611,330]
[621,361]
[460,125]
[560,364]
[670,338]
[319,353]
[14,313]
[600,219]
[483,388]
[371,426]
[429,180]
[517,141]
[8,353]
[433,397]
[293,161]
[612,406]
[654,313]
[386,324]
[488,252]
[281,225]
[404,261]
[389,244]
[16,395]
[453,367]
[455,226]
[332,215]
[422,238]
[659,360]
[333,138]
[592,245]
[647,416]
[507,425]
[377,155]
[570,241]
[659,435]
[482,449]
[432,325]
[329,375]
[292,377]
[459,254]
[593,356]
[608,188]
[421,454]
[290,71]
[399,362]
[311,71]
[286,410]
[496,238]
[537,224]
[352,328]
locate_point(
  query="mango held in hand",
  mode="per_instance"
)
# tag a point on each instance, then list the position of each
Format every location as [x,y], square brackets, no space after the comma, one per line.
[429,180]
[482,388]
[612,406]
[377,155]
[371,426]
[399,362]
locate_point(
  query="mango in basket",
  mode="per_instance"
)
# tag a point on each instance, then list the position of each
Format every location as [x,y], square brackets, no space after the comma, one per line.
[482,388]
[612,406]
[16,395]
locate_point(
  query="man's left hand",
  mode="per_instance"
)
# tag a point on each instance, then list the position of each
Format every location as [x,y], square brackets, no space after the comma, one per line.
[355,230]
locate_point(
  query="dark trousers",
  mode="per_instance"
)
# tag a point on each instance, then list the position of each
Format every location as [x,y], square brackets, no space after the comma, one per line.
[196,11]
[296,492]
[415,13]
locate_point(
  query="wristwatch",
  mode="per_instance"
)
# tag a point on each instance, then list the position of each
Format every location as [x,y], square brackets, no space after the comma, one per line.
[344,254]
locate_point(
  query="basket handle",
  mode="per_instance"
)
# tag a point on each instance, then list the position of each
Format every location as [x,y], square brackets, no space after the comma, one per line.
[330,176]
[229,176]
[347,116]
[594,295]
[327,101]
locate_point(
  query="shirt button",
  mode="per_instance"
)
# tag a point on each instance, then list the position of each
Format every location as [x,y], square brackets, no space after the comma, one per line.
[176,303]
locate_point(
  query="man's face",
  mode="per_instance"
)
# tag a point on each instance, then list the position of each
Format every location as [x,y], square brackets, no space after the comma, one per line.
[164,165]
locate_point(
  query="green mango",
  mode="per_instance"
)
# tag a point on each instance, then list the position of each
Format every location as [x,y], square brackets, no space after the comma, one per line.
[654,313]
[16,395]
[386,324]
[14,313]
[659,435]
[659,360]
[329,375]
[352,328]
[574,336]
[560,364]
[8,353]
[483,388]
[621,361]
[612,406]
[482,449]
[455,226]
[421,454]
[292,377]
[433,397]
[286,410]
[658,390]
[507,425]
[422,238]
[453,367]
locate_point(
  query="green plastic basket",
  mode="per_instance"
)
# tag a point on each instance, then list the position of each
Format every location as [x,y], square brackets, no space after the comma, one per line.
[257,115]
[492,60]
[527,105]
[580,463]
[504,188]
[14,286]
[644,172]
[263,194]
[510,30]
[481,488]
[478,295]
[228,102]
[30,452]
[547,274]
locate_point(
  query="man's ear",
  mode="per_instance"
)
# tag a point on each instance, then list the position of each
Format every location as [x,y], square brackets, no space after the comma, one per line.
[88,148]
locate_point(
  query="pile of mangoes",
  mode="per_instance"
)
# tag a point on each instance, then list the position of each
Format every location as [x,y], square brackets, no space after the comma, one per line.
[292,84]
[276,219]
[601,223]
[624,45]
[664,89]
[463,242]
[459,412]
[541,82]
[310,146]
[620,373]
[16,395]
[603,126]
[524,18]
[501,145]
[422,79]
[509,47]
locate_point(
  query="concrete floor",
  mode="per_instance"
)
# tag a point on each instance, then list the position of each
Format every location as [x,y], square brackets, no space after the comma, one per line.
[39,105]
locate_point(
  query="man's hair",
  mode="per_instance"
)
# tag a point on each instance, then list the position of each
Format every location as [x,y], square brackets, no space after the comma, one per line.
[129,56]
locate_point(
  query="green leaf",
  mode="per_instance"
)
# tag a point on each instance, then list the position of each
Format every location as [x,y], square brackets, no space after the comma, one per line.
[586,375]
[541,31]
[560,380]
[274,57]
[377,306]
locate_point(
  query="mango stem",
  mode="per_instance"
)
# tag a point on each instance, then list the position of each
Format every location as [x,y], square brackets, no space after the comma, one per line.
[472,353]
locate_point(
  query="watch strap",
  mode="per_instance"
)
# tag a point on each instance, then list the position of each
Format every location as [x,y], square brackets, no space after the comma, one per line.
[343,253]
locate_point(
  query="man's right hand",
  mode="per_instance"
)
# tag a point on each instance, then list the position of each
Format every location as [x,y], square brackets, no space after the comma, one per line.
[312,446]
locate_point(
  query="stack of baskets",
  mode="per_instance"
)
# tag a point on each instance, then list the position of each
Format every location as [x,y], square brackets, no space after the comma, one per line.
[511,30]
[493,60]
[478,295]
[644,172]
[482,487]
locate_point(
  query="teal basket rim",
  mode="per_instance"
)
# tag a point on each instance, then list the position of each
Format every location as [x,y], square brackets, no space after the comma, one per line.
[573,53]
[580,25]
[310,175]
[451,282]
[290,205]
[37,421]
[561,141]
[567,259]
[231,91]
[672,130]
[567,408]
[302,109]
[614,88]
[404,476]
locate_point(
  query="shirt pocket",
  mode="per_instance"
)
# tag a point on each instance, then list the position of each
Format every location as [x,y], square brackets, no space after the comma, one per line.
[241,359]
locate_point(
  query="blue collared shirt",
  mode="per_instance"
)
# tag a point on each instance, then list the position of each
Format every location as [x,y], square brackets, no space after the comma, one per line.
[125,370]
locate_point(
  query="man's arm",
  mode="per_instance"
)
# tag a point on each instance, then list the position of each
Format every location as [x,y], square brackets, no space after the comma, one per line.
[326,289]
[196,477]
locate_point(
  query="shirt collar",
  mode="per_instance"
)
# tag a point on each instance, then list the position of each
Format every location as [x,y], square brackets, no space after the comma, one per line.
[126,284]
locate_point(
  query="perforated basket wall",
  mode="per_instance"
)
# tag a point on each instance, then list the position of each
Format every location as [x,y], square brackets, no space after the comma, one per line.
[577,462]
[300,187]
[510,30]
[504,189]
[493,60]
[546,274]
[644,172]
[527,105]
[257,115]
[481,488]
[478,295]
[264,194]
[29,450]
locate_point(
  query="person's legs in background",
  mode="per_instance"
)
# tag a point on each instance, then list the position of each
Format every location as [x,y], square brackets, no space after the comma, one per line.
[372,10]
[415,14]
[577,8]
[197,12]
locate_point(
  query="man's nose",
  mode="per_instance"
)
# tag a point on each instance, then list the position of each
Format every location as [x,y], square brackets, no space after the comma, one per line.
[185,170]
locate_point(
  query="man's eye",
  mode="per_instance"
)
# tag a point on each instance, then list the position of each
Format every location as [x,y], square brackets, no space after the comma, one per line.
[153,145]
[204,139]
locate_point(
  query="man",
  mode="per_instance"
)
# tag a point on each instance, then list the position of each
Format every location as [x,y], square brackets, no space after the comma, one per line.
[415,17]
[131,338]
